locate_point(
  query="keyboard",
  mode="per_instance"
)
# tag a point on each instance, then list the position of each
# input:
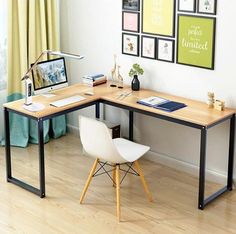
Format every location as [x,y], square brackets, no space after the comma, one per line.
[67,101]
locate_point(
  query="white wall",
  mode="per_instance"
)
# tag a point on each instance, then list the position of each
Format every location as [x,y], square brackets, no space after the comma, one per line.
[93,28]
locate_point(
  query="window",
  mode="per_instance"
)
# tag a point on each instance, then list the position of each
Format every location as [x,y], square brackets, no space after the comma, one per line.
[3,58]
[3,43]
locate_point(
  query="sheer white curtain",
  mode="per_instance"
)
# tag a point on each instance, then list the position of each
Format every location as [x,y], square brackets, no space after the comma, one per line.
[3,58]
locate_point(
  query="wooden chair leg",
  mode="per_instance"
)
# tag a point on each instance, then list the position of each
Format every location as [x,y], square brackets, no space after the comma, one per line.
[118,192]
[144,183]
[88,180]
[114,176]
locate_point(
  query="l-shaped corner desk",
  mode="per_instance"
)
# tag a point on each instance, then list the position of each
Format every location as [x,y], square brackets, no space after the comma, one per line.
[195,115]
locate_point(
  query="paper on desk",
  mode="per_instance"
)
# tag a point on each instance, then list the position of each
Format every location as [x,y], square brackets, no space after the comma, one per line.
[152,101]
[34,107]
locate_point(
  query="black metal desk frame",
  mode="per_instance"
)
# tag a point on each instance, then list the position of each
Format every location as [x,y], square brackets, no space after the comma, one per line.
[202,201]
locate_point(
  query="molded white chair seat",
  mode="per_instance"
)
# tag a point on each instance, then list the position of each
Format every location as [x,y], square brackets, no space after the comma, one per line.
[129,151]
[97,143]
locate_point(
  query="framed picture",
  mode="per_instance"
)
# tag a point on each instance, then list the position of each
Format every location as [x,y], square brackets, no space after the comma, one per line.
[207,6]
[131,5]
[148,48]
[130,21]
[130,44]
[165,50]
[196,41]
[158,17]
[187,5]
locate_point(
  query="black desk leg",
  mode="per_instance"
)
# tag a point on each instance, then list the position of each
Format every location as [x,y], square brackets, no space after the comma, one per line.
[41,159]
[7,144]
[40,192]
[131,125]
[202,202]
[231,153]
[202,168]
[97,110]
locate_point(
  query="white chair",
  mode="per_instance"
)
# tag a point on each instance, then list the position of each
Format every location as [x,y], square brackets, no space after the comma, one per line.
[97,142]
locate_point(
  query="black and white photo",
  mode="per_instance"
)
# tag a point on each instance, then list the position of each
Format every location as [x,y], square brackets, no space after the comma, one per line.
[131,5]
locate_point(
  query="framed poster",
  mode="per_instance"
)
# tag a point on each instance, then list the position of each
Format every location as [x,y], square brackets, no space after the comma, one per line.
[148,48]
[196,41]
[187,5]
[130,44]
[130,21]
[158,17]
[131,5]
[207,6]
[165,50]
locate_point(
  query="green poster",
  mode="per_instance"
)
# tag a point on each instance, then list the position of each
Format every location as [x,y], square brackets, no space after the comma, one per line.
[196,41]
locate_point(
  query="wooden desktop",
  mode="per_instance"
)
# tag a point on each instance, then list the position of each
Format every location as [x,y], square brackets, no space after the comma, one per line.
[196,115]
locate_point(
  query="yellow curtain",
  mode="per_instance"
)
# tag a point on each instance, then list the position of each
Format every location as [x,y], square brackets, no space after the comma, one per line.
[33,27]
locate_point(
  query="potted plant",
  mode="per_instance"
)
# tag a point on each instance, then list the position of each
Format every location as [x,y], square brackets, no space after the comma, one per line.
[134,72]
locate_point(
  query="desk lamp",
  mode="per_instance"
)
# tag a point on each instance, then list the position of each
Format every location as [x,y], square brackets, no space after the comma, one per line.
[28,82]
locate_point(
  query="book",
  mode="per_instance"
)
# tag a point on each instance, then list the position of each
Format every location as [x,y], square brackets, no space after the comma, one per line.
[152,101]
[99,82]
[161,103]
[92,82]
[94,77]
[171,106]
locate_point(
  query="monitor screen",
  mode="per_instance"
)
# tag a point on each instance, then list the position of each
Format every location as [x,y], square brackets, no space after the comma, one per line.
[49,75]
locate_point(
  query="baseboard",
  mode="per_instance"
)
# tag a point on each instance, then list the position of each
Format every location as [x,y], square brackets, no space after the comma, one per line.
[73,129]
[166,160]
[189,168]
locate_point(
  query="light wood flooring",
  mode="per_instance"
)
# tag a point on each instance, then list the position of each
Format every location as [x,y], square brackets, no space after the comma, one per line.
[174,209]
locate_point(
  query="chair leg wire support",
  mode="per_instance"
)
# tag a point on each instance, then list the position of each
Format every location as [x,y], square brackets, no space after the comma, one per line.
[129,170]
[115,178]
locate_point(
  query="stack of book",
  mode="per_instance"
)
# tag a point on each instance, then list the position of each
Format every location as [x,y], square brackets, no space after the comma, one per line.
[93,80]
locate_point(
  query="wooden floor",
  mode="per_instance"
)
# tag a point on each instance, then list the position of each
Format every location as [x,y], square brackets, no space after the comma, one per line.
[174,209]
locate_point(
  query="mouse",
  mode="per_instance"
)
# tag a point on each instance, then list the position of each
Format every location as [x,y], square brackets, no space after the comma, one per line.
[89,93]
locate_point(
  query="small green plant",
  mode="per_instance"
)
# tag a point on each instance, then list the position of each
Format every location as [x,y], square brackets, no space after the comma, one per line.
[136,70]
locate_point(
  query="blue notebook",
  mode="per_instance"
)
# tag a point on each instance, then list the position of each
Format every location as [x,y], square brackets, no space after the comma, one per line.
[170,106]
[161,103]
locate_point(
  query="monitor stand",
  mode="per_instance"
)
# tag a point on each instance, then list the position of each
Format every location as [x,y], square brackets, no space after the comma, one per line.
[48,95]
[35,106]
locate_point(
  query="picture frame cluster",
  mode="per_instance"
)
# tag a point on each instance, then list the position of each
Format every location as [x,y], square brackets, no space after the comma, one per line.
[151,47]
[200,6]
[157,48]
[130,24]
[196,33]
[149,28]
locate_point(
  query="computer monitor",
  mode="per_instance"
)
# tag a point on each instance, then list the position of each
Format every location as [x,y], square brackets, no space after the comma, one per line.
[49,75]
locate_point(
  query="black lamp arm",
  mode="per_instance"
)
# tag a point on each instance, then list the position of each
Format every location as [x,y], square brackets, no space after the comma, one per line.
[58,53]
